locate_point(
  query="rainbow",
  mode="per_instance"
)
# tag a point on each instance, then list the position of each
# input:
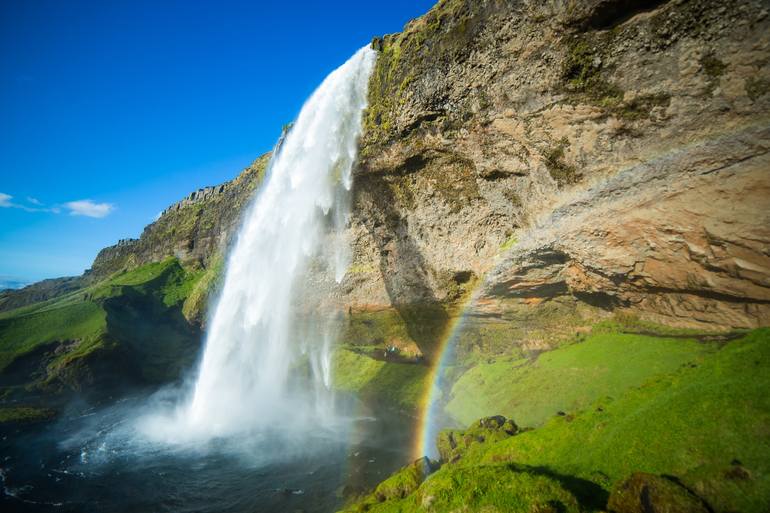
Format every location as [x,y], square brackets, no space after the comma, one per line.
[428,419]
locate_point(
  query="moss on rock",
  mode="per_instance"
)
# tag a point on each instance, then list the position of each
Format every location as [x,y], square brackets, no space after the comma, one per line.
[453,443]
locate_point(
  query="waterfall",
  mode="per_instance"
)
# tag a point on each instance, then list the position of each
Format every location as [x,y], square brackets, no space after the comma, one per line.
[255,341]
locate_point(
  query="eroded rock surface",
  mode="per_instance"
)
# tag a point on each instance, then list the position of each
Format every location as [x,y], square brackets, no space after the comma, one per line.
[604,154]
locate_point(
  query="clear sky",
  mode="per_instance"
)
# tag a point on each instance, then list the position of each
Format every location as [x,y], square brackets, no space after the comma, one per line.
[112,110]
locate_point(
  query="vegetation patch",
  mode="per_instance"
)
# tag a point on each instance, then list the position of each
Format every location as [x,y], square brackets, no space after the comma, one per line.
[694,423]
[444,32]
[487,489]
[204,289]
[581,72]
[381,328]
[756,87]
[712,66]
[562,172]
[693,439]
[642,106]
[569,378]
[136,313]
[399,385]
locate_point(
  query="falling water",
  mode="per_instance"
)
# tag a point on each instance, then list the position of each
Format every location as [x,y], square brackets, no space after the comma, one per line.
[254,342]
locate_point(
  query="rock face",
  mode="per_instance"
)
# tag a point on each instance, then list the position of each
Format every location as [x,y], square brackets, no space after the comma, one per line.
[606,154]
[681,238]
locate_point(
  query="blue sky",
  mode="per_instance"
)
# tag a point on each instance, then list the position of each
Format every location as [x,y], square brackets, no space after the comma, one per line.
[112,110]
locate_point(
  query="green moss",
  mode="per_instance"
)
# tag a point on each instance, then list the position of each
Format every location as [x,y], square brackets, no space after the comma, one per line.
[508,244]
[442,33]
[452,444]
[487,489]
[404,481]
[375,328]
[712,66]
[581,72]
[402,191]
[197,300]
[756,87]
[642,106]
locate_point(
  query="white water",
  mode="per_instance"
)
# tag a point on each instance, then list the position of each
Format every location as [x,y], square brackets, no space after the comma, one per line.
[254,342]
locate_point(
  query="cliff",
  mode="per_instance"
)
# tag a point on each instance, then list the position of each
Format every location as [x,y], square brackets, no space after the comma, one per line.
[603,156]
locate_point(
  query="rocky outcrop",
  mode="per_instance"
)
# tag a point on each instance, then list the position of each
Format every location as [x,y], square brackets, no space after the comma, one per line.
[682,239]
[194,230]
[604,154]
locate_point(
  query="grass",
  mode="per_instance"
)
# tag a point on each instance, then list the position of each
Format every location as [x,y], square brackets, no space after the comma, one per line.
[128,309]
[380,327]
[691,424]
[83,321]
[392,384]
[569,378]
[194,308]
[562,172]
[695,423]
[479,489]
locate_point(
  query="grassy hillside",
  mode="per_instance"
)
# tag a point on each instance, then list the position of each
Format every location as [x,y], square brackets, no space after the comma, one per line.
[399,385]
[569,379]
[128,328]
[702,420]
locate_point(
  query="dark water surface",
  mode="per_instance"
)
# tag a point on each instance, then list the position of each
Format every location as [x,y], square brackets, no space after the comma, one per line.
[82,463]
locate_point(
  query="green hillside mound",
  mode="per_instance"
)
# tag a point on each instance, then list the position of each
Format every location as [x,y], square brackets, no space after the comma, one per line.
[692,438]
[129,328]
[531,390]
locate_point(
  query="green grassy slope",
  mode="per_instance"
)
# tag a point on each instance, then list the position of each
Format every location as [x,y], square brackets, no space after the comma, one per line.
[399,385]
[83,321]
[569,379]
[705,423]
[135,317]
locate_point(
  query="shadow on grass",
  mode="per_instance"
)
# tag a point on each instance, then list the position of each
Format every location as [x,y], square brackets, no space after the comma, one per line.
[589,494]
